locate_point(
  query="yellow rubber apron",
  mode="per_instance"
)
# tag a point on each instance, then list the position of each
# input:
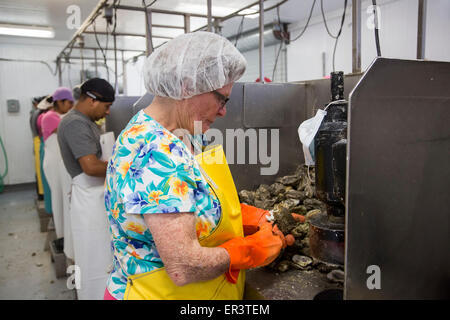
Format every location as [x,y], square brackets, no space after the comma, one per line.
[156,284]
[37,166]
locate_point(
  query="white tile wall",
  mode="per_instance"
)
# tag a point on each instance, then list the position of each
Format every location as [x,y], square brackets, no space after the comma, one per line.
[270,53]
[398,38]
[22,81]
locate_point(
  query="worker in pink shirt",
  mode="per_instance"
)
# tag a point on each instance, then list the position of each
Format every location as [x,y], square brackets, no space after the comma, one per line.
[44,106]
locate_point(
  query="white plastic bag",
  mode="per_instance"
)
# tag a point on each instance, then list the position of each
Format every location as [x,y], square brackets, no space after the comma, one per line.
[306,132]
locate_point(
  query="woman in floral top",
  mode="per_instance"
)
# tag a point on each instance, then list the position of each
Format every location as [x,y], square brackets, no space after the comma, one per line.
[158,202]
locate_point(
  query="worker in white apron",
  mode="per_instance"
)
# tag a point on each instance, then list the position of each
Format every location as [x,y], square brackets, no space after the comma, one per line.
[90,235]
[85,160]
[66,190]
[62,102]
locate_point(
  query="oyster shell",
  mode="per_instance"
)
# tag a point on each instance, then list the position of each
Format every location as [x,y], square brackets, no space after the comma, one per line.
[247,197]
[302,262]
[294,194]
[337,276]
[312,213]
[263,192]
[300,230]
[283,266]
[277,188]
[285,221]
[289,180]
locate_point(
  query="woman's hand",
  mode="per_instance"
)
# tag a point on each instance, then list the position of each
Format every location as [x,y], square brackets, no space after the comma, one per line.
[256,250]
[252,218]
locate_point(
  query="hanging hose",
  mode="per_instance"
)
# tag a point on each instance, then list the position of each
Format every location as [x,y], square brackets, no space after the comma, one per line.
[2,186]
[377,36]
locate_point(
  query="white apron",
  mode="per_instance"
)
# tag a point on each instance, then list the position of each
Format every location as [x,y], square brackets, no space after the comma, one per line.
[66,189]
[52,158]
[91,236]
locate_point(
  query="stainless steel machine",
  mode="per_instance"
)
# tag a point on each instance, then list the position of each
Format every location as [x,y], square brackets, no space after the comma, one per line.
[398,182]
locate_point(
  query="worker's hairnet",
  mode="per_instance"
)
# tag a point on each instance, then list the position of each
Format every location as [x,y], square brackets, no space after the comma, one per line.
[192,64]
[76,92]
[45,103]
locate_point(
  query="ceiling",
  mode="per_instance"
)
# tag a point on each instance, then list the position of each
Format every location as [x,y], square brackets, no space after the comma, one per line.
[53,13]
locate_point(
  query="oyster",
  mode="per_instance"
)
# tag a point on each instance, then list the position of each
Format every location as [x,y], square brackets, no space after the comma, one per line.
[289,180]
[283,266]
[312,213]
[311,204]
[301,262]
[247,197]
[301,209]
[289,203]
[277,188]
[294,194]
[336,276]
[300,230]
[302,184]
[309,191]
[263,192]
[285,221]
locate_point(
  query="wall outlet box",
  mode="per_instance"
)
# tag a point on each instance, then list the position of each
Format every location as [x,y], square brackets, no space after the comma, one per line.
[13,105]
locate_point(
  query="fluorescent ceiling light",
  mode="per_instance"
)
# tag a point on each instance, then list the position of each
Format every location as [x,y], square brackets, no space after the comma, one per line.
[26,31]
[216,10]
[202,9]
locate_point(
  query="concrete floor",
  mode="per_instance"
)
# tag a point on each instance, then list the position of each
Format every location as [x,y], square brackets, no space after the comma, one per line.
[26,270]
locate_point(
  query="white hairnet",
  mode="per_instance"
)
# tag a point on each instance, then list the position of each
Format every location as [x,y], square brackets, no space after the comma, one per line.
[192,64]
[45,104]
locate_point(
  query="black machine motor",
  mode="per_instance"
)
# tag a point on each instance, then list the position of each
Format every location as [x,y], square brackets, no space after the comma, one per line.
[330,148]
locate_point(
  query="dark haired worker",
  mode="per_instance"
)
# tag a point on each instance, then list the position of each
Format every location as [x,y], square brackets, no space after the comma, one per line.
[79,141]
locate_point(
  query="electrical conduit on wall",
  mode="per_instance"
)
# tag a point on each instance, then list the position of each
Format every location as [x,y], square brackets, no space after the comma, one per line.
[2,176]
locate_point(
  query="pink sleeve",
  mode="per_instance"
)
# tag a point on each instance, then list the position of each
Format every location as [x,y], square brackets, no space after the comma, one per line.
[50,122]
[39,123]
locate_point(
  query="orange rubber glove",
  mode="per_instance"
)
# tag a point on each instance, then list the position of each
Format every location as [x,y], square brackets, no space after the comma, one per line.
[252,218]
[256,250]
[278,232]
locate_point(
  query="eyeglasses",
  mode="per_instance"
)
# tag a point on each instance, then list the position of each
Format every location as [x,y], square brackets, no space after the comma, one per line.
[223,99]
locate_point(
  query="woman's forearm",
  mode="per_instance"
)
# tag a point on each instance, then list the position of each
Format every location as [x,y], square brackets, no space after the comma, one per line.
[92,166]
[185,260]
[203,264]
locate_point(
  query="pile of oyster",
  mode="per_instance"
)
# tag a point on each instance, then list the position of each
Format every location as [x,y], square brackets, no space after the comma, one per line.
[291,194]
